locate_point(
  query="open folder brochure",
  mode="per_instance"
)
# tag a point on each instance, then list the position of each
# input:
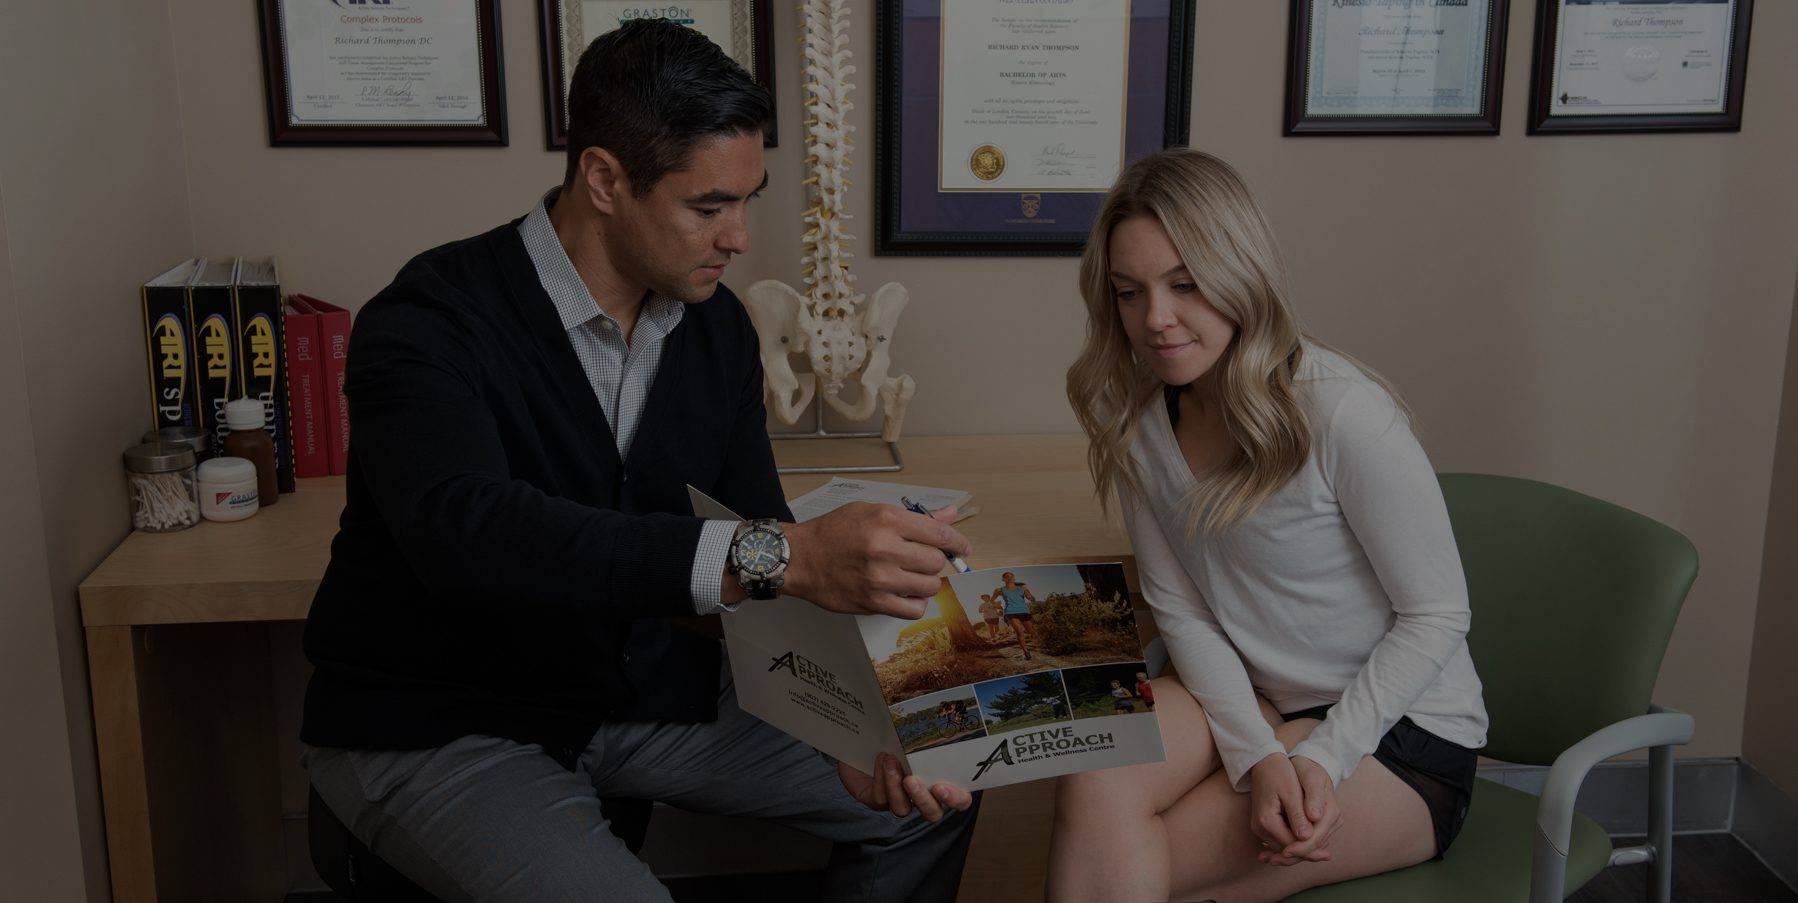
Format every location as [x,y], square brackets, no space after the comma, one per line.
[1012,674]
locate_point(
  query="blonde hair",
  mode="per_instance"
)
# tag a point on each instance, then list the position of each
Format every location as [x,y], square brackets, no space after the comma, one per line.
[1228,248]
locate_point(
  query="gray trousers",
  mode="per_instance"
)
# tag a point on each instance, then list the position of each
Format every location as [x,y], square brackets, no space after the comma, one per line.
[484,818]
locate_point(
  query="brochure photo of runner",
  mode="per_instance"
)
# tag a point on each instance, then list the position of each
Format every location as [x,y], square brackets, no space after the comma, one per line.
[996,622]
[938,719]
[1105,690]
[1029,700]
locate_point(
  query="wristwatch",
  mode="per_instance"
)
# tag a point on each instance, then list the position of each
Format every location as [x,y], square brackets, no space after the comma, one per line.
[758,556]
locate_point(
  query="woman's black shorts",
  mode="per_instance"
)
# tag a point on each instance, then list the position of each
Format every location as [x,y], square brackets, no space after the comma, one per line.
[1441,772]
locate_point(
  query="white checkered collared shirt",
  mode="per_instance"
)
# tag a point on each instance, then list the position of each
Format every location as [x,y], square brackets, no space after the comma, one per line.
[620,372]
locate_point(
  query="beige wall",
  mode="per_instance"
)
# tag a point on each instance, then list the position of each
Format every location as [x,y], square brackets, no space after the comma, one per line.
[93,193]
[1770,737]
[40,840]
[1609,313]
[1606,313]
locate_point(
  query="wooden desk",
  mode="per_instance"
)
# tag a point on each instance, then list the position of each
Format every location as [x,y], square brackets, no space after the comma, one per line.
[180,640]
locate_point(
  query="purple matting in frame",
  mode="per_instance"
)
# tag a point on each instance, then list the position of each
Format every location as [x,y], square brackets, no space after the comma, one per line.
[919,219]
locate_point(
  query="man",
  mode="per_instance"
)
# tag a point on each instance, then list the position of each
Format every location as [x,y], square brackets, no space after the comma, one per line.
[492,636]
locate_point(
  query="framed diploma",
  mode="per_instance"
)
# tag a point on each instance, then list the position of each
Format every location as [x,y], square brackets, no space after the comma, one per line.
[1002,123]
[740,27]
[1385,67]
[1639,66]
[399,72]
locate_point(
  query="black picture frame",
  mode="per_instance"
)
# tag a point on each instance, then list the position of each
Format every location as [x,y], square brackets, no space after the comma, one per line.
[894,238]
[283,133]
[1542,70]
[1298,122]
[551,52]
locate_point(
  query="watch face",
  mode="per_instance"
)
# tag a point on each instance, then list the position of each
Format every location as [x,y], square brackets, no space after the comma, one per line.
[759,552]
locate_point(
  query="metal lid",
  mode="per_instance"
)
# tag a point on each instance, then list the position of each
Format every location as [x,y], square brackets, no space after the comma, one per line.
[175,434]
[158,457]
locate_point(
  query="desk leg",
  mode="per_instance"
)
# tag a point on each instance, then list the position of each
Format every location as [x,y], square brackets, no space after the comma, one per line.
[185,724]
[119,736]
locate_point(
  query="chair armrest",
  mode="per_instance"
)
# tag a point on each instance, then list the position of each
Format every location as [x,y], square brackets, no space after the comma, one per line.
[1154,656]
[1554,814]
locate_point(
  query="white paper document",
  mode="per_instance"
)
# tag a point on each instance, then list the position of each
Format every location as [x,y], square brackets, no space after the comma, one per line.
[839,492]
[372,65]
[1616,57]
[1012,674]
[1398,59]
[1032,95]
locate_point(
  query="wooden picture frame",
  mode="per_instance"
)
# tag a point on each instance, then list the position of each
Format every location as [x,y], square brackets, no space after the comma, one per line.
[1549,42]
[337,120]
[749,29]
[1302,120]
[916,216]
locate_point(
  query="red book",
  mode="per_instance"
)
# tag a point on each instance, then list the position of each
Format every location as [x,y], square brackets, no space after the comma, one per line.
[306,394]
[334,351]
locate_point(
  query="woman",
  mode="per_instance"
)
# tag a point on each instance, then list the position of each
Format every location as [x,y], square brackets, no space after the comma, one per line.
[1016,599]
[1294,547]
[989,613]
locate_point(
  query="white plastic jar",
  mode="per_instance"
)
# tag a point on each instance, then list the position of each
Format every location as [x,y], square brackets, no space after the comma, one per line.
[227,489]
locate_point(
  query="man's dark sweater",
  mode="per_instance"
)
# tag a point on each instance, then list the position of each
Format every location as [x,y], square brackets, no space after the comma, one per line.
[498,569]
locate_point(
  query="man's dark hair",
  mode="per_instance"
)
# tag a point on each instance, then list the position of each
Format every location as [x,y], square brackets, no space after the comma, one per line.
[652,89]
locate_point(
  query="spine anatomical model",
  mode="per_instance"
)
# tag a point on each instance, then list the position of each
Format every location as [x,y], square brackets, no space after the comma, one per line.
[847,336]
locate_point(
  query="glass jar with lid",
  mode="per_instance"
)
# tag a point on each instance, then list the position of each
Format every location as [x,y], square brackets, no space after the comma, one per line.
[160,477]
[191,436]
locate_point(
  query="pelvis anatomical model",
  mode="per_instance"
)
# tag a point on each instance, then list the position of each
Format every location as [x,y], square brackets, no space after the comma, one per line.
[843,345]
[846,335]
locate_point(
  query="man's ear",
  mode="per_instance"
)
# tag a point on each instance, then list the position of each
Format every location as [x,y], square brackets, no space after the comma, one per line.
[604,179]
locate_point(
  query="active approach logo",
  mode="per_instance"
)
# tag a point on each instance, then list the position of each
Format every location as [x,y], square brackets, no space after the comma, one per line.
[815,674]
[1038,745]
[1000,753]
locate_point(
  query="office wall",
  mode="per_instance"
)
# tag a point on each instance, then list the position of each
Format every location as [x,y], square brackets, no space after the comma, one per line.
[1770,734]
[1604,312]
[40,840]
[93,194]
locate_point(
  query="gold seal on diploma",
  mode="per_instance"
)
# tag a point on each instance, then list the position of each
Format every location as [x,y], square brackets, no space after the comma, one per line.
[987,162]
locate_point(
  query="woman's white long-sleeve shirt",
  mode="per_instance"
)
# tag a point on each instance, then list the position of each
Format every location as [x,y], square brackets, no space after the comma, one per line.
[1344,587]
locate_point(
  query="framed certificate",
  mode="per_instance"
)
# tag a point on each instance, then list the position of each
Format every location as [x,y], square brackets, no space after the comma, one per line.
[740,27]
[1001,125]
[1639,66]
[1417,67]
[404,72]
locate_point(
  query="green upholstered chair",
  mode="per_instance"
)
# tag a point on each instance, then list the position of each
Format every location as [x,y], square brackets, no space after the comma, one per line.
[1574,600]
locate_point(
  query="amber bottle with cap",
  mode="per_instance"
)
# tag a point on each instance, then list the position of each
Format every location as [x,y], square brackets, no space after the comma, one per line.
[248,440]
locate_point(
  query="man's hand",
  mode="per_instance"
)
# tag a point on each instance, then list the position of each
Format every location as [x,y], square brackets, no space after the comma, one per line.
[891,792]
[871,559]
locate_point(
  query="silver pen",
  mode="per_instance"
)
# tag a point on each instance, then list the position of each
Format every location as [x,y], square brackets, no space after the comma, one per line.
[961,567]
